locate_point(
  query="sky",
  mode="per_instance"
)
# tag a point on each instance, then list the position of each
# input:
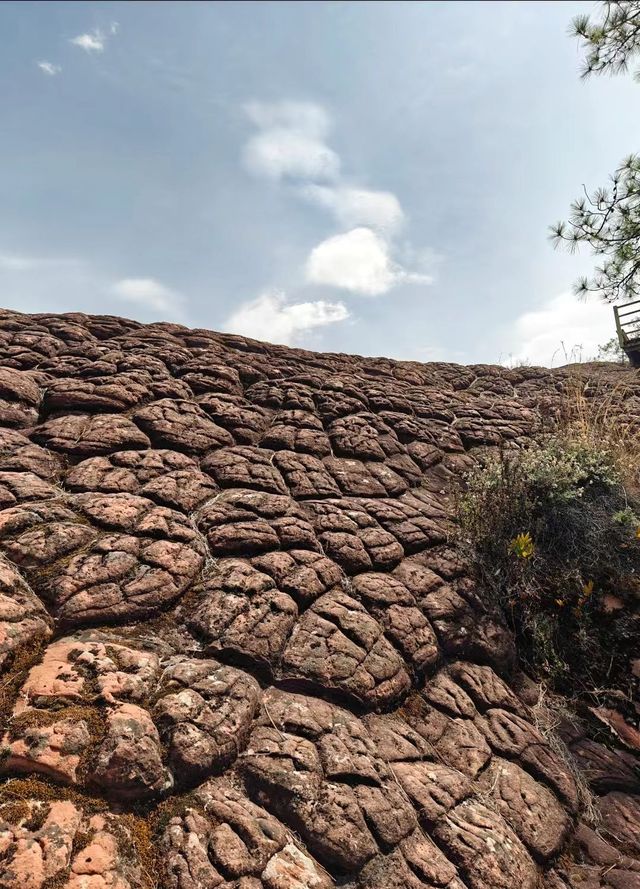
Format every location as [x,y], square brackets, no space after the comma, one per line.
[366,177]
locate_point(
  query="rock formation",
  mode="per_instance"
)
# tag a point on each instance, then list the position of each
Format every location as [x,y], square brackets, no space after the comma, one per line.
[239,647]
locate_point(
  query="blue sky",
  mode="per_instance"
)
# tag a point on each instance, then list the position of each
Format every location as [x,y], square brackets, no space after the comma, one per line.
[369,177]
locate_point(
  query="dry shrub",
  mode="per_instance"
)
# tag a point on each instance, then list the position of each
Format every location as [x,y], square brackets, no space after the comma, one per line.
[553,531]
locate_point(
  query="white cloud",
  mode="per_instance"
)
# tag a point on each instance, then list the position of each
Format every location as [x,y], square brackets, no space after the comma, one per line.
[149,293]
[270,317]
[290,144]
[94,41]
[358,260]
[49,68]
[563,330]
[380,210]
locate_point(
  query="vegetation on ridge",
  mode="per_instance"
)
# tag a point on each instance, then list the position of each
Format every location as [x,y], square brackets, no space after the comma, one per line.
[554,530]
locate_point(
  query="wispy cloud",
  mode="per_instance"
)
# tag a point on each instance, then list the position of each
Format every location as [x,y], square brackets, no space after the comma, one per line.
[379,210]
[94,41]
[49,68]
[290,142]
[291,146]
[562,330]
[271,317]
[360,261]
[22,262]
[150,294]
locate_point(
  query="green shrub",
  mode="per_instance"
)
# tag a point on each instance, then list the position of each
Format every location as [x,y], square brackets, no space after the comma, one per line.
[552,532]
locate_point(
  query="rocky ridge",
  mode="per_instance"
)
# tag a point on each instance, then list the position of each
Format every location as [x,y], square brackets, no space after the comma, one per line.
[239,649]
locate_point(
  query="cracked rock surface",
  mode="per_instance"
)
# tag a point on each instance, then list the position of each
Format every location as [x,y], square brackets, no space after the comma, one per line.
[238,647]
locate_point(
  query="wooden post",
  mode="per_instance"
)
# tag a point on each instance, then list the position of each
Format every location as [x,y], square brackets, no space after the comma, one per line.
[619,329]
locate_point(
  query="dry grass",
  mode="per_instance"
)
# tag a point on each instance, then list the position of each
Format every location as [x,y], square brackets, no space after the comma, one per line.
[601,414]
[549,713]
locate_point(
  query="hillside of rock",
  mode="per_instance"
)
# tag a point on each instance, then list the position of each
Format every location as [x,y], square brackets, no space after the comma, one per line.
[239,648]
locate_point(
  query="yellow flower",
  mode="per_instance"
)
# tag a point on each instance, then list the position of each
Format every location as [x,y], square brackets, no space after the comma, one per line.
[638,532]
[522,546]
[559,602]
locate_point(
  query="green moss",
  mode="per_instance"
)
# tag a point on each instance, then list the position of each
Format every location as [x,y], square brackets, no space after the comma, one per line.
[137,847]
[15,811]
[15,670]
[28,789]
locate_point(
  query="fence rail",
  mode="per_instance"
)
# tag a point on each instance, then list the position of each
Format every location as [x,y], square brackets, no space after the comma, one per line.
[628,324]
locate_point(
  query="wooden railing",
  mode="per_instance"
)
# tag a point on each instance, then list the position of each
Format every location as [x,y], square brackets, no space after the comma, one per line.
[628,324]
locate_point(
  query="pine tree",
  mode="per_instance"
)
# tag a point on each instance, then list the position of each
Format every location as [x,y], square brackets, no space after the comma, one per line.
[608,219]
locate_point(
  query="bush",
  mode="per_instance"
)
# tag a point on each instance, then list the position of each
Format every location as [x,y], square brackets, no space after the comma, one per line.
[554,536]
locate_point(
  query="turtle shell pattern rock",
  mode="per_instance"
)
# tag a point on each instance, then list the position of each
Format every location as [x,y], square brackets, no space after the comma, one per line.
[238,647]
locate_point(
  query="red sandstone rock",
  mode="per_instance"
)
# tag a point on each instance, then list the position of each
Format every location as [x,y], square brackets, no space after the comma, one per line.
[84,435]
[533,811]
[338,646]
[57,843]
[181,425]
[229,516]
[487,852]
[23,619]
